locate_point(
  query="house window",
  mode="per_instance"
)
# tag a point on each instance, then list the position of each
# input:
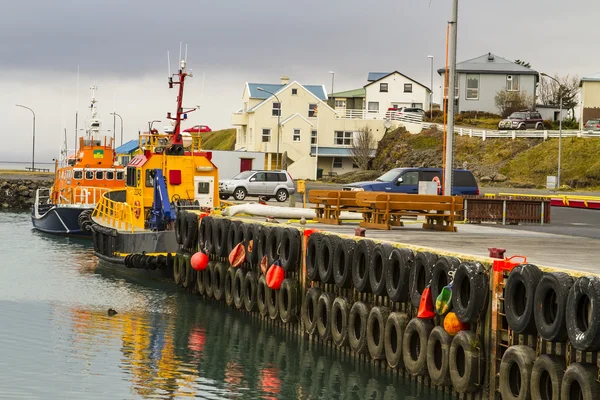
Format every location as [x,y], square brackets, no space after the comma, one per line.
[276,109]
[296,137]
[354,164]
[294,92]
[383,87]
[266,135]
[373,106]
[313,137]
[512,83]
[472,87]
[311,110]
[337,162]
[408,88]
[343,138]
[340,104]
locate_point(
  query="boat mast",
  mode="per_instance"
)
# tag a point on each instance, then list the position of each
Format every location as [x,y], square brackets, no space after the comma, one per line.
[94,122]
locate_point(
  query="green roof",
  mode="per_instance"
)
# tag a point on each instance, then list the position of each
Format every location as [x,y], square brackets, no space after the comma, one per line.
[350,93]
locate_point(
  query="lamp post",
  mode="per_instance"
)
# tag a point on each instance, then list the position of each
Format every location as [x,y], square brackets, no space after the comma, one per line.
[278,122]
[431,93]
[560,118]
[332,80]
[33,146]
[150,123]
[450,99]
[114,113]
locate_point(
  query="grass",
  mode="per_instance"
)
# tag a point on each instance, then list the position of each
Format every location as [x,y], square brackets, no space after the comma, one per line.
[219,140]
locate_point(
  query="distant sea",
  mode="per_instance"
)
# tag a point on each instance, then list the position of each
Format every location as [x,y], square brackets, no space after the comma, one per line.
[20,165]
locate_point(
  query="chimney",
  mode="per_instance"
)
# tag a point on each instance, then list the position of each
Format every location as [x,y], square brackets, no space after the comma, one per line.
[490,57]
[285,80]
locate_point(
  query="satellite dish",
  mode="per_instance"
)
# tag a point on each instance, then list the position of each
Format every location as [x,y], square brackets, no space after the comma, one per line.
[387,123]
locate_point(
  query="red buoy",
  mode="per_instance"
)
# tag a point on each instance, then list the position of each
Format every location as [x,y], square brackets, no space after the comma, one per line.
[199,261]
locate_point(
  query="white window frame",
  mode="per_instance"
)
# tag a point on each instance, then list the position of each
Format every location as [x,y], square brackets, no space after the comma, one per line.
[311,110]
[383,85]
[409,86]
[375,108]
[345,137]
[276,111]
[512,79]
[340,104]
[467,88]
[341,163]
[267,135]
[313,136]
[296,135]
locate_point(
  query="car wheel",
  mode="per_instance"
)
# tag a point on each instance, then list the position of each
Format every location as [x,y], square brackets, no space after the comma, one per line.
[522,127]
[281,195]
[240,194]
[223,196]
[539,126]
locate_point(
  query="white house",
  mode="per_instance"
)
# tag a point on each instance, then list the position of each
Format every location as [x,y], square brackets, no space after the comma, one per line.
[394,90]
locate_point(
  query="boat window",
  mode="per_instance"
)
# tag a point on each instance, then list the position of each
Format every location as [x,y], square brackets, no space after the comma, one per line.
[130,176]
[78,174]
[203,187]
[110,175]
[119,175]
[149,176]
[89,174]
[99,175]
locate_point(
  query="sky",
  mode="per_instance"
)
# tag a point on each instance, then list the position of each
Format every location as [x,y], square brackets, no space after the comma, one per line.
[121,46]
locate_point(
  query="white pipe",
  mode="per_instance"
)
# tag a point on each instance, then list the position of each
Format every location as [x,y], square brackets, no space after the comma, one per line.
[281,212]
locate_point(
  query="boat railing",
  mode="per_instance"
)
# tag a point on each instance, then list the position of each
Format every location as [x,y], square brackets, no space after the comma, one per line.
[81,195]
[158,142]
[116,214]
[42,195]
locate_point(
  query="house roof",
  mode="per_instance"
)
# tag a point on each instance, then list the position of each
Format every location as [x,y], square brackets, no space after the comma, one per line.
[491,64]
[375,76]
[350,93]
[383,75]
[291,117]
[591,78]
[334,151]
[317,90]
[128,147]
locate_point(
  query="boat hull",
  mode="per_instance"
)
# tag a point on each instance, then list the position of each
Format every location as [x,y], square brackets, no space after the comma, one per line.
[59,221]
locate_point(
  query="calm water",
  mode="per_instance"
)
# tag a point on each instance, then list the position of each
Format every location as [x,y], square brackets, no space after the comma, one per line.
[57,342]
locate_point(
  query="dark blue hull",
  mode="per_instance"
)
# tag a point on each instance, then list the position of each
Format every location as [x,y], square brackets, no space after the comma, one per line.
[58,220]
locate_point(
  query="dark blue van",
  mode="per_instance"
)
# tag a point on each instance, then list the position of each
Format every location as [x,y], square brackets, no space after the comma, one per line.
[406,180]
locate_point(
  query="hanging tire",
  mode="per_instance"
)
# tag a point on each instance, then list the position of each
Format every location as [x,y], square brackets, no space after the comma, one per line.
[309,309]
[342,263]
[515,372]
[249,289]
[327,248]
[357,327]
[218,280]
[232,236]
[469,291]
[288,300]
[251,236]
[220,230]
[420,275]
[340,314]
[376,332]
[177,229]
[466,366]
[440,275]
[209,273]
[438,356]
[272,300]
[200,282]
[273,249]
[178,268]
[228,286]
[209,241]
[414,346]
[378,268]
[360,264]
[583,314]
[263,243]
[204,231]
[550,305]
[324,315]
[398,274]
[546,377]
[189,274]
[190,230]
[580,381]
[519,296]
[312,252]
[394,333]
[238,292]
[291,245]
[261,296]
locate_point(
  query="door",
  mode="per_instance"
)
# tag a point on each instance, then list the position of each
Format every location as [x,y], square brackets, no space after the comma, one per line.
[204,190]
[257,183]
[272,183]
[408,182]
[245,164]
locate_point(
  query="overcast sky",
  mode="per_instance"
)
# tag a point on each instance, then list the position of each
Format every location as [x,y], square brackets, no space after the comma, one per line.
[121,46]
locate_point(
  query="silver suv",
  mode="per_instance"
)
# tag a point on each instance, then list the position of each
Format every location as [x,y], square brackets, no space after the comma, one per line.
[269,184]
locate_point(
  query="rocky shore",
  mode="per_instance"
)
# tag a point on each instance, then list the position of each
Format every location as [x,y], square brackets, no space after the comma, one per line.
[18,194]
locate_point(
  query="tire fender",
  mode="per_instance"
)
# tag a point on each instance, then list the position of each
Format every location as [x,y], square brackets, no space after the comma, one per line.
[586,376]
[228,285]
[469,291]
[519,296]
[521,357]
[376,332]
[324,315]
[261,296]
[290,249]
[340,312]
[237,289]
[360,265]
[420,275]
[327,248]
[378,267]
[552,289]
[547,373]
[309,309]
[312,254]
[209,273]
[342,263]
[249,290]
[414,346]
[288,300]
[218,280]
[466,365]
[394,333]
[583,314]
[357,327]
[440,275]
[401,262]
[438,356]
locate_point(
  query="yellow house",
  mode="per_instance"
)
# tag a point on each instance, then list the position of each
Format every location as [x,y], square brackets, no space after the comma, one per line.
[590,98]
[127,151]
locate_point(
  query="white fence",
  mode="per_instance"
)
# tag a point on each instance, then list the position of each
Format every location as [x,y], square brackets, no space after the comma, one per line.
[489,134]
[391,115]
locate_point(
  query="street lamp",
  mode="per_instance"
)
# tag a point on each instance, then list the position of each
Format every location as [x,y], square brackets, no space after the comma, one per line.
[150,123]
[33,147]
[560,118]
[278,121]
[431,93]
[332,79]
[114,113]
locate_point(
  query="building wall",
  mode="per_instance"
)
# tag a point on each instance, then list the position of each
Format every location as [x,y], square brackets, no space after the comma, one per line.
[590,101]
[395,94]
[229,162]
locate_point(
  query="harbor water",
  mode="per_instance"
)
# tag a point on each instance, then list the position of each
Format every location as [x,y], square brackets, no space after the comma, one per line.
[57,340]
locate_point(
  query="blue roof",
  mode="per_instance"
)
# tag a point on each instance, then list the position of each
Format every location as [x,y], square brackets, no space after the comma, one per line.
[317,90]
[128,147]
[375,76]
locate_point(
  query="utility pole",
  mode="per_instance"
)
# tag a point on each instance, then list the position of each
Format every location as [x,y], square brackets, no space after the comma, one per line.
[450,101]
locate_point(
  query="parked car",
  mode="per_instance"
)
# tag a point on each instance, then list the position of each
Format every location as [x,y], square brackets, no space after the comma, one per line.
[406,180]
[521,120]
[278,184]
[414,110]
[198,128]
[592,125]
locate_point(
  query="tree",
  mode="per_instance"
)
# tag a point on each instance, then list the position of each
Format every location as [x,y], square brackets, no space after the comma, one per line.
[362,148]
[509,102]
[523,63]
[549,91]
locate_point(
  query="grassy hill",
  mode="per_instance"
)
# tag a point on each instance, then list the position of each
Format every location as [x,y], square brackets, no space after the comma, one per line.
[218,140]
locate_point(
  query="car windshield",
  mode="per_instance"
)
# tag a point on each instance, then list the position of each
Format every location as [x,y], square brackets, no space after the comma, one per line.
[593,122]
[242,175]
[517,116]
[388,176]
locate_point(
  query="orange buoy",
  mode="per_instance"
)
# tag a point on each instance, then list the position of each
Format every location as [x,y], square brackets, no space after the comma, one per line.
[452,324]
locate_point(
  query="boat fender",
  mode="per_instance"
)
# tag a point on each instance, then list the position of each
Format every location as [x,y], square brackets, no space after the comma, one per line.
[189,230]
[178,269]
[208,244]
[394,333]
[360,265]
[309,310]
[340,314]
[466,365]
[342,263]
[312,255]
[583,377]
[470,291]
[249,290]
[238,293]
[261,296]
[438,360]
[232,235]
[376,332]
[251,242]
[228,287]
[274,241]
[378,267]
[414,346]
[585,291]
[517,359]
[220,230]
[262,246]
[200,282]
[519,297]
[290,249]
[420,275]
[327,247]
[324,315]
[550,303]
[546,376]
[272,300]
[400,264]
[357,327]
[209,273]
[288,300]
[442,274]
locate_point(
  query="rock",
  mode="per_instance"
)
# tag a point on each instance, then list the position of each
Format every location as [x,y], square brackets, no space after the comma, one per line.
[5,205]
[485,179]
[23,188]
[5,185]
[500,178]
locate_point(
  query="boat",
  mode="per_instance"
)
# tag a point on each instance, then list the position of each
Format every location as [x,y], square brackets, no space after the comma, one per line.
[135,226]
[80,179]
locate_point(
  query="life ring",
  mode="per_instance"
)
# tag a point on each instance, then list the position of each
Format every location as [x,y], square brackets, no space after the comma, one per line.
[137,209]
[439,184]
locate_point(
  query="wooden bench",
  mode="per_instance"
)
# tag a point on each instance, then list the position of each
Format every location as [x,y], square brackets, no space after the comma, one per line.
[330,204]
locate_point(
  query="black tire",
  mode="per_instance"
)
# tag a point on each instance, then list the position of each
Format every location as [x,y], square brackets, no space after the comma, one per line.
[515,372]
[204,231]
[209,273]
[177,229]
[249,290]
[440,277]
[200,282]
[580,381]
[220,231]
[282,195]
[274,241]
[469,291]
[539,126]
[546,377]
[583,314]
[291,245]
[360,265]
[224,196]
[312,254]
[218,281]
[327,248]
[357,327]
[466,366]
[178,268]
[378,267]
[189,274]
[519,297]
[342,263]
[209,241]
[324,315]
[394,333]
[190,230]
[228,286]
[261,296]
[340,314]
[288,300]
[238,285]
[240,193]
[273,303]
[550,305]
[309,309]
[414,346]
[376,332]
[232,236]
[262,247]
[438,356]
[250,234]
[420,275]
[398,274]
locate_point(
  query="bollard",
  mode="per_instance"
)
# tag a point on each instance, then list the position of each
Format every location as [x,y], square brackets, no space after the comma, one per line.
[496,252]
[359,232]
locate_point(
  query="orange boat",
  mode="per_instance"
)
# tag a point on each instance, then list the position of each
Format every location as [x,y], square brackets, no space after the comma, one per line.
[79,182]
